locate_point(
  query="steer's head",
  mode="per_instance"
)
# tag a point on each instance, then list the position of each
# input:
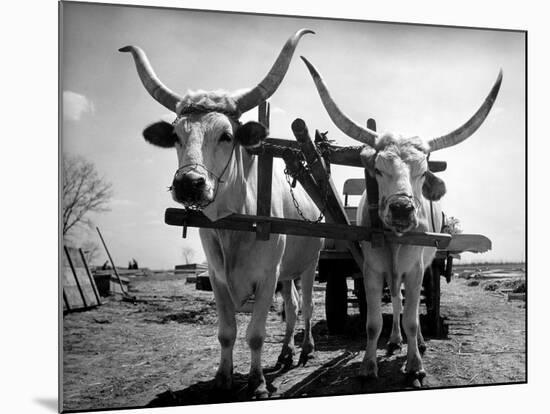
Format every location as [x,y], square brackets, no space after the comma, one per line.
[207,128]
[399,164]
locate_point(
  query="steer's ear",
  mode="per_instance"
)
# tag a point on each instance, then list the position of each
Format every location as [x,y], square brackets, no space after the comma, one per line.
[368,157]
[251,134]
[434,187]
[161,134]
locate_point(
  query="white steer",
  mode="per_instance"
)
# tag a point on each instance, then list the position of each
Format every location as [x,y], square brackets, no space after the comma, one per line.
[407,191]
[217,174]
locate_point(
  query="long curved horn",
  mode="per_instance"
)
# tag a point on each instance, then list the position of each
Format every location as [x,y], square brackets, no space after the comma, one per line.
[471,126]
[342,121]
[273,79]
[152,83]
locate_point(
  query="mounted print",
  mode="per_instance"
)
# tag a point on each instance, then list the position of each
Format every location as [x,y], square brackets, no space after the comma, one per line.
[262,207]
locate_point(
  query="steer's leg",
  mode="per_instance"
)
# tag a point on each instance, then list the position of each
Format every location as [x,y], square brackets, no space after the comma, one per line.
[308,345]
[413,284]
[421,343]
[255,335]
[396,340]
[374,281]
[227,331]
[290,297]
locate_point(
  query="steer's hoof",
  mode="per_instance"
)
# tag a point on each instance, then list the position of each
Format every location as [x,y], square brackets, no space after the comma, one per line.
[257,387]
[393,347]
[305,356]
[286,358]
[416,378]
[223,382]
[368,370]
[260,392]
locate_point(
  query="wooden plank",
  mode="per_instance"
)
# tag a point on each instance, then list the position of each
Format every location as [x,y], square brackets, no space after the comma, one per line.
[79,290]
[337,155]
[354,186]
[87,288]
[241,222]
[265,176]
[70,289]
[75,278]
[475,243]
[90,277]
[74,256]
[333,208]
[66,305]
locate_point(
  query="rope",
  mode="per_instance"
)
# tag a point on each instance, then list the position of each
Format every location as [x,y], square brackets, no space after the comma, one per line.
[197,206]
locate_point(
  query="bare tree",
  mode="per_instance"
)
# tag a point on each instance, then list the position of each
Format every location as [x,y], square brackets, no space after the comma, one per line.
[188,253]
[90,250]
[84,192]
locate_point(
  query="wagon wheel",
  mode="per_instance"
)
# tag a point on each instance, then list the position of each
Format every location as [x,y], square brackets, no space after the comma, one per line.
[336,300]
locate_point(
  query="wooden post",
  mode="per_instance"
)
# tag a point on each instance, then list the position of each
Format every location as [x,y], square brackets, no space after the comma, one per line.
[332,205]
[449,268]
[89,273]
[112,263]
[337,155]
[265,175]
[297,170]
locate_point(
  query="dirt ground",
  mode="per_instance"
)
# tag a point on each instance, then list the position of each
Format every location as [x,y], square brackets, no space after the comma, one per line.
[164,351]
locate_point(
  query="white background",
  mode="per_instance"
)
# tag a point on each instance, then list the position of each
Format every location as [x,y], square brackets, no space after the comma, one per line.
[28,300]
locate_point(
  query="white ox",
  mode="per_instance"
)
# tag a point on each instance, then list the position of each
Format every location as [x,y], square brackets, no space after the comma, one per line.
[407,195]
[217,174]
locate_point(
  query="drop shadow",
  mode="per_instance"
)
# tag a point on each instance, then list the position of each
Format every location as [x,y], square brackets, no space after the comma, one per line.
[48,403]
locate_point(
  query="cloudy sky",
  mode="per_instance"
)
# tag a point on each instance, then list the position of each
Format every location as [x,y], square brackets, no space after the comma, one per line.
[414,80]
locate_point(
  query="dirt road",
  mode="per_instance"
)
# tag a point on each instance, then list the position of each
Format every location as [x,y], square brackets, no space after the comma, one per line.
[165,351]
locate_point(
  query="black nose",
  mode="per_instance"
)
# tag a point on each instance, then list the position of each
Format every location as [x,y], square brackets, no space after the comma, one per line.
[401,210]
[188,187]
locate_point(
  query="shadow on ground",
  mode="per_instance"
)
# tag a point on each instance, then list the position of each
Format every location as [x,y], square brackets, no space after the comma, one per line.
[337,376]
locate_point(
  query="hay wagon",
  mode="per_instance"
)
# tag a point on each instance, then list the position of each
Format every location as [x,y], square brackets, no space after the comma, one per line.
[308,162]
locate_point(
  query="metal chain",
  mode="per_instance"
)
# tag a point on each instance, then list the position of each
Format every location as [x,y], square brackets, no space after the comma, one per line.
[292,184]
[324,146]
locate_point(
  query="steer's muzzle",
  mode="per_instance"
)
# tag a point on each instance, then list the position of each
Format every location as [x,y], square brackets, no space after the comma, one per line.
[190,188]
[401,213]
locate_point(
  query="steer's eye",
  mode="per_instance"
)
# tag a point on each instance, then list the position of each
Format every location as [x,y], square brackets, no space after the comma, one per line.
[377,171]
[225,137]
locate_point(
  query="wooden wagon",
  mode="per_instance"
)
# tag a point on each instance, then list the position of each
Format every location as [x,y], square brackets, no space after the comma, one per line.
[308,162]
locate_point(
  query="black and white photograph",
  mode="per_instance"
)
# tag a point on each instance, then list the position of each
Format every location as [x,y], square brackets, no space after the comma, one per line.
[264,207]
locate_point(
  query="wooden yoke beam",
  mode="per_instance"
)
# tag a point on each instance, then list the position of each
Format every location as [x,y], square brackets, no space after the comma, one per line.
[332,205]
